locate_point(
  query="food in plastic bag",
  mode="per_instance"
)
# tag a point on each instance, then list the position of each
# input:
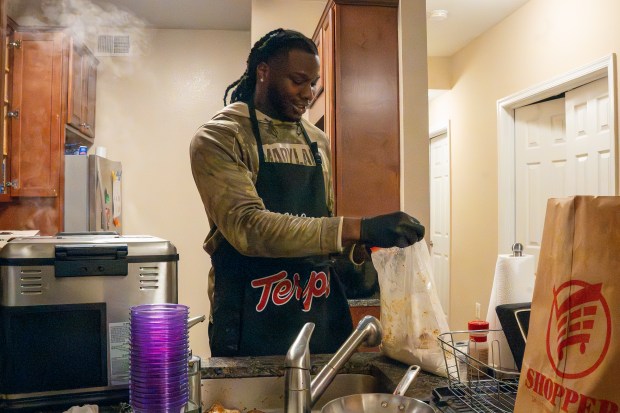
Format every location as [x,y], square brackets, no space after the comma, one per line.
[411,314]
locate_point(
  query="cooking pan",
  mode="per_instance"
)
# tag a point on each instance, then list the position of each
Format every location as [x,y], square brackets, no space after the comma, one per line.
[379,402]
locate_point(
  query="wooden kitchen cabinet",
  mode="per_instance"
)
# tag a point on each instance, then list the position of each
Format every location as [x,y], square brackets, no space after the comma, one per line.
[42,67]
[37,130]
[6,38]
[82,90]
[358,106]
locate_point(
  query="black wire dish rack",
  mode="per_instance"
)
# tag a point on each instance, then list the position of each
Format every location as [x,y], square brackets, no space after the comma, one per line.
[474,385]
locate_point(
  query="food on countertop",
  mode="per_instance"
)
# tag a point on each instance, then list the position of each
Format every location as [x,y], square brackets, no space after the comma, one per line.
[218,408]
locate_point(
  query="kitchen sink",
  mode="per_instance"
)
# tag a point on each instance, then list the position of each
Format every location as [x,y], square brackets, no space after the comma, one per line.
[267,393]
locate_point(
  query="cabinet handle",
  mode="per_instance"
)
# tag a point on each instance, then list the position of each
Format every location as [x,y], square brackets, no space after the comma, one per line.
[85,125]
[13,114]
[16,44]
[12,184]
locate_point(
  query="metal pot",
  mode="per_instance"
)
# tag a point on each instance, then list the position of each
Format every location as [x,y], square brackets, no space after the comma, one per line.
[379,402]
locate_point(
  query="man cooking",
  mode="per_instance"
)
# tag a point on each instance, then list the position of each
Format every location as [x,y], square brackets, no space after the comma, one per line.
[264,176]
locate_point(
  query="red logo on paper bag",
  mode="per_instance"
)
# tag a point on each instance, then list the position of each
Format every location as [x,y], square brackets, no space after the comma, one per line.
[579,324]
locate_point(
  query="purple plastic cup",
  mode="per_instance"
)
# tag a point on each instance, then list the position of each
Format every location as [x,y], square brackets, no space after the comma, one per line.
[158,358]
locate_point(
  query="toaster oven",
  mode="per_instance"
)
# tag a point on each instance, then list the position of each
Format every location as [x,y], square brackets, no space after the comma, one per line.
[64,314]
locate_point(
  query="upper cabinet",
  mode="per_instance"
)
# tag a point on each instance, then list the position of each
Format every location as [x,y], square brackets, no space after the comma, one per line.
[5,79]
[358,104]
[50,84]
[37,126]
[82,89]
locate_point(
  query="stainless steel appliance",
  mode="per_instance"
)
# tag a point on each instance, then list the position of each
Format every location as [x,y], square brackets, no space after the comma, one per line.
[93,200]
[64,314]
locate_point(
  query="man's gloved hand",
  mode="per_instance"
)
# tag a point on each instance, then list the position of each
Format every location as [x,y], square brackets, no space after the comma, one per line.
[396,229]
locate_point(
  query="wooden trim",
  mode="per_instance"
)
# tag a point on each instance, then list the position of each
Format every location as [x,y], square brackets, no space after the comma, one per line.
[5,140]
[39,29]
[387,3]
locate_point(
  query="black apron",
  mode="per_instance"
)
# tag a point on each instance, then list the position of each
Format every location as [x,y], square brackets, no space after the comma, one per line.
[261,304]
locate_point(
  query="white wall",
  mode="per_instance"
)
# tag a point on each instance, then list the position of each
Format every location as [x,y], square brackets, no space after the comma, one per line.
[148,108]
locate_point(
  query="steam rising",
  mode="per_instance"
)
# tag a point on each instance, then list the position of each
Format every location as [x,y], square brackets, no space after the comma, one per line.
[85,20]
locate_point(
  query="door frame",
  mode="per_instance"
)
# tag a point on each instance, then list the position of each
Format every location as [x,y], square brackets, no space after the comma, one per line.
[605,66]
[433,134]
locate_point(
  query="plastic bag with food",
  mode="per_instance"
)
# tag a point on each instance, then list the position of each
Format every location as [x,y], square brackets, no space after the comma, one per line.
[411,314]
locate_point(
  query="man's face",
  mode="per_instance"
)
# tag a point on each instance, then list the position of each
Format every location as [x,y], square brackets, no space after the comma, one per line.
[291,82]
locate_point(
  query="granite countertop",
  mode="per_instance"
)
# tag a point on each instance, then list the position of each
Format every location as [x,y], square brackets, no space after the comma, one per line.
[388,372]
[365,302]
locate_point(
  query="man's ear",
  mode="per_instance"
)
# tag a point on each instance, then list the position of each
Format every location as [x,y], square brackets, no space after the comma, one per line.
[262,72]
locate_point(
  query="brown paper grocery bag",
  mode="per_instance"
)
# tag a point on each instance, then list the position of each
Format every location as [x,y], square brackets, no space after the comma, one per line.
[572,356]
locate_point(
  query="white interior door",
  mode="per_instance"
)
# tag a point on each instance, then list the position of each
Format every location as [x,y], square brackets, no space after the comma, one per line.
[563,147]
[440,216]
[588,134]
[540,163]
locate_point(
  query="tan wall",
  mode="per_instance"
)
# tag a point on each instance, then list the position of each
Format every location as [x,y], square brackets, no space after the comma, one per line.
[299,15]
[540,41]
[148,109]
[439,112]
[439,76]
[414,111]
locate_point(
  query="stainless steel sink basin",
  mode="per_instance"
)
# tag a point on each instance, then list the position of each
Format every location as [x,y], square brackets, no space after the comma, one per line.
[267,393]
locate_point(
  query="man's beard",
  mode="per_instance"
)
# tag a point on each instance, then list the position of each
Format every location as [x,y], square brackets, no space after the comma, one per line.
[280,104]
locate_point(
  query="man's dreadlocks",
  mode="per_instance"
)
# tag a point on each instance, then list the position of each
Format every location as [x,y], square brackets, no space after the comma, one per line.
[272,44]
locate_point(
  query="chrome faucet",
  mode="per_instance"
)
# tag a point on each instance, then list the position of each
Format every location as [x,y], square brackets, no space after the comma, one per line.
[300,392]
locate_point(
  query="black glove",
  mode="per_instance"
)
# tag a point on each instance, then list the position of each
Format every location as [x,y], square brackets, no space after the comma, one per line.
[396,229]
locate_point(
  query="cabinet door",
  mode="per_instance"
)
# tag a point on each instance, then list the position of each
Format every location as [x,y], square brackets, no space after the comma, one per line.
[365,108]
[5,174]
[37,131]
[90,94]
[320,112]
[76,79]
[327,56]
[82,89]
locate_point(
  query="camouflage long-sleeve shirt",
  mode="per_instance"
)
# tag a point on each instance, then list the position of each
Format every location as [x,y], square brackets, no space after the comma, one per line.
[224,160]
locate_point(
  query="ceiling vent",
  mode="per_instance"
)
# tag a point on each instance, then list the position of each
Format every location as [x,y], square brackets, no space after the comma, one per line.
[113,45]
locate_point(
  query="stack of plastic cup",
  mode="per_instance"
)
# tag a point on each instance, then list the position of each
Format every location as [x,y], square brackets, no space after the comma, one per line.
[158,376]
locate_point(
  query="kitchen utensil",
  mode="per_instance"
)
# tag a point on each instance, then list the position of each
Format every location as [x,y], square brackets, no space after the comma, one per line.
[379,402]
[473,385]
[194,381]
